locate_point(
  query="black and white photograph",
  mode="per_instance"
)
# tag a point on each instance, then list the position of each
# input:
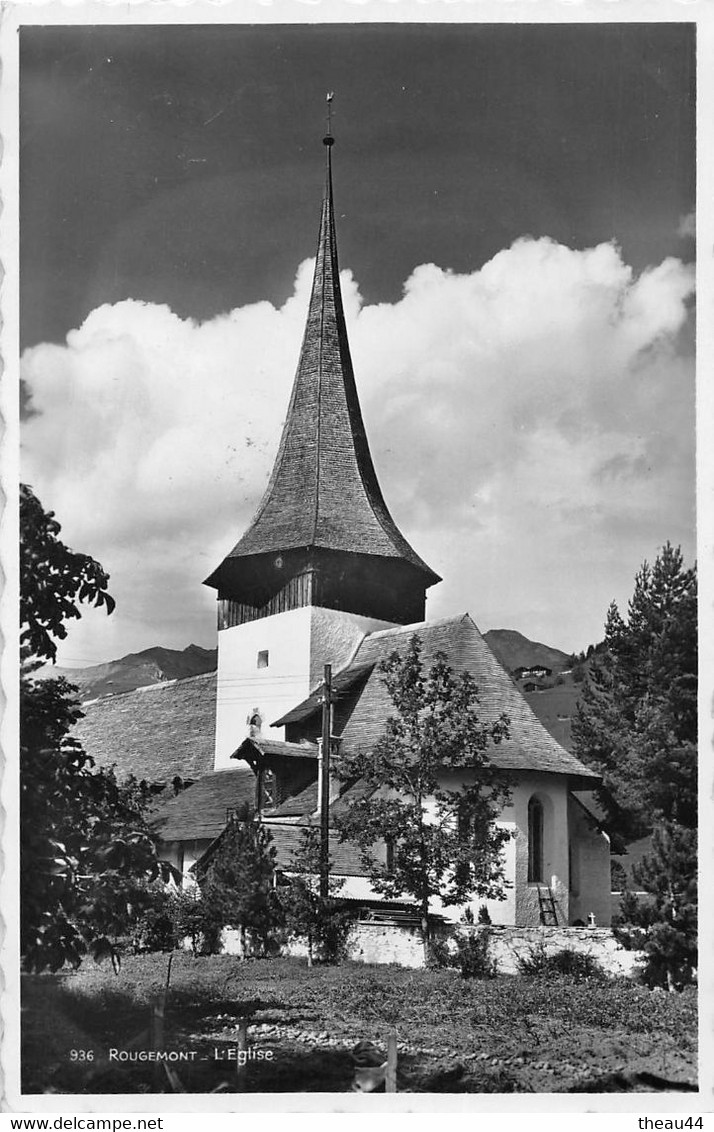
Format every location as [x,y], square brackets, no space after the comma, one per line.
[357,517]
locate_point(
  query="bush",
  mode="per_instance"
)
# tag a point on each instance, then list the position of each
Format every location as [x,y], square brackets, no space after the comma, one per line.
[473,956]
[196,919]
[439,954]
[618,876]
[335,928]
[575,964]
[154,928]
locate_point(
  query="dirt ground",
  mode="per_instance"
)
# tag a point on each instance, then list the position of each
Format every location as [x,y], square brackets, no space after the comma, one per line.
[291,1049]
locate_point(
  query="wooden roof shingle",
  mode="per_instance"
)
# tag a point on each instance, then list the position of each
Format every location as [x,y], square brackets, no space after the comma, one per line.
[304,804]
[344,855]
[323,491]
[201,811]
[342,682]
[251,747]
[154,733]
[529,746]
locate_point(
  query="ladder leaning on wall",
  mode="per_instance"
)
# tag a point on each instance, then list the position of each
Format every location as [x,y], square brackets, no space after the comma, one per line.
[548,910]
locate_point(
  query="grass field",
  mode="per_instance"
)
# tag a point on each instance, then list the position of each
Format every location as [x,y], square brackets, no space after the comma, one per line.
[503,1035]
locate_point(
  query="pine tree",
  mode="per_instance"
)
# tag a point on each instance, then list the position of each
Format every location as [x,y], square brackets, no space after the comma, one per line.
[664,925]
[637,725]
[637,719]
[442,842]
[238,883]
[323,922]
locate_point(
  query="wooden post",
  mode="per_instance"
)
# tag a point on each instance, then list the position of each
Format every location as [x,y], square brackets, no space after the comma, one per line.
[241,1062]
[325,787]
[390,1079]
[158,1015]
[157,1037]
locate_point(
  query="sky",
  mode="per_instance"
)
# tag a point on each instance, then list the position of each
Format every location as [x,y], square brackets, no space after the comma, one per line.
[515,220]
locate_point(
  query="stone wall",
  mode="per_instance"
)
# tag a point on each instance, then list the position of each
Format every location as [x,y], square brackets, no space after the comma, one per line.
[389,943]
[382,943]
[385,943]
[508,945]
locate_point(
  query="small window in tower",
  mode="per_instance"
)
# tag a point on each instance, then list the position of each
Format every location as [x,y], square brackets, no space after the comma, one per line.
[263,658]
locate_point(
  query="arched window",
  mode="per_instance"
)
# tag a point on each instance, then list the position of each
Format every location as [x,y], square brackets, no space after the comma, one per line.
[535,841]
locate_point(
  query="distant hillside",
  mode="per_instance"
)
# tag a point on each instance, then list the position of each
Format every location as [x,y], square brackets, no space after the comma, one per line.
[137,670]
[554,695]
[556,708]
[516,651]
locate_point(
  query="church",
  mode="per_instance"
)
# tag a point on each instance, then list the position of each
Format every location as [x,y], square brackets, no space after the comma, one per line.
[323,575]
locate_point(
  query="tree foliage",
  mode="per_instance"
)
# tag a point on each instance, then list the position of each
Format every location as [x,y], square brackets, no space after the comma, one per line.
[238,882]
[432,793]
[84,839]
[85,845]
[323,922]
[54,580]
[664,924]
[195,918]
[637,720]
[637,725]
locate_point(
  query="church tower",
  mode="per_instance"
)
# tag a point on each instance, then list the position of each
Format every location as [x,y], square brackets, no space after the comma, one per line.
[322,562]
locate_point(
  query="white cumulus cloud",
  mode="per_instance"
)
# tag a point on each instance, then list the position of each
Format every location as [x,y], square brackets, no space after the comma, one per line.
[532,424]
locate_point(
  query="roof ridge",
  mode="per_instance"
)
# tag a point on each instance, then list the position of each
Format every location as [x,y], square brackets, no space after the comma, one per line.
[142,688]
[416,625]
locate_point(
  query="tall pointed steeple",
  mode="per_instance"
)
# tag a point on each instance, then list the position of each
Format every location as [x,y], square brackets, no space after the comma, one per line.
[322,534]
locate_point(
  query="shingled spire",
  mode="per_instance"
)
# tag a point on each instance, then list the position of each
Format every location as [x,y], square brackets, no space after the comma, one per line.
[323,518]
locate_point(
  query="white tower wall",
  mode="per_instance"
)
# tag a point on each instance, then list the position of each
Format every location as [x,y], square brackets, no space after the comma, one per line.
[273,663]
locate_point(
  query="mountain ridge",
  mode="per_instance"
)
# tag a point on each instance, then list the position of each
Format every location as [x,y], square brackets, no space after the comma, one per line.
[135,670]
[514,651]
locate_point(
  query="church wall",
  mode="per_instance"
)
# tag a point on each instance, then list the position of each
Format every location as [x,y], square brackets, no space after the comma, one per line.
[590,869]
[500,911]
[182,855]
[568,837]
[172,852]
[335,636]
[521,905]
[552,792]
[193,851]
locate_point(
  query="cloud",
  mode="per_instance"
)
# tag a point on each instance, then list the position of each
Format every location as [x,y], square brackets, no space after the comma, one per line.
[531,422]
